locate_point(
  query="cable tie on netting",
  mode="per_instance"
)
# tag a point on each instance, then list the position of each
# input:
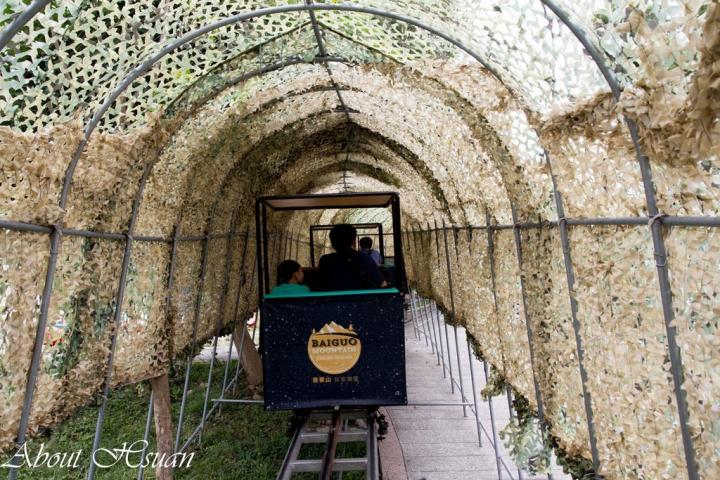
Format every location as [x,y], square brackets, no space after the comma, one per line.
[657,256]
[565,245]
[517,225]
[654,218]
[56,229]
[129,237]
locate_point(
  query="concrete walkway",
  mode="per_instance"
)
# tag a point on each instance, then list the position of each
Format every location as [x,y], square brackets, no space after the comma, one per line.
[438,442]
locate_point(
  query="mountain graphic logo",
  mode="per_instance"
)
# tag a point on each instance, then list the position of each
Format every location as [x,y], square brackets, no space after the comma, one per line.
[334,349]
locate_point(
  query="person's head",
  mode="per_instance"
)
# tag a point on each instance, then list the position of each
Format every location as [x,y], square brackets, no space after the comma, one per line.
[342,236]
[365,242]
[289,271]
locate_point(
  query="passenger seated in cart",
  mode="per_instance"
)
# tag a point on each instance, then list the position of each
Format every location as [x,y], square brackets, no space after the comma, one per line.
[348,269]
[290,277]
[366,248]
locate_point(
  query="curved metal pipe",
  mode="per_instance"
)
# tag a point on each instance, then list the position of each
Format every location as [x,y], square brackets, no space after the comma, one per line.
[118,313]
[9,32]
[145,66]
[676,367]
[570,276]
[196,319]
[658,241]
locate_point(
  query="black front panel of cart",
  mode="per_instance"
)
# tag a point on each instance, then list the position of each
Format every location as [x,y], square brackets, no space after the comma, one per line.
[321,351]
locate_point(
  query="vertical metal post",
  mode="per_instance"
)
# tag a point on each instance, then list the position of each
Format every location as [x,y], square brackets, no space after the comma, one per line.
[196,320]
[141,469]
[447,335]
[291,242]
[241,283]
[562,224]
[442,352]
[417,262]
[538,396]
[266,265]
[259,241]
[287,254]
[471,359]
[438,345]
[113,343]
[397,246]
[242,341]
[407,242]
[496,442]
[452,308]
[272,261]
[414,314]
[171,272]
[676,367]
[428,320]
[297,244]
[275,260]
[168,299]
[218,324]
[437,314]
[491,254]
[311,235]
[284,247]
[118,316]
[414,244]
[37,352]
[381,241]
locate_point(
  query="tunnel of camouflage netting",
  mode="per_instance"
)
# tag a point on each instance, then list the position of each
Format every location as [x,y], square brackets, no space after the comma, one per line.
[355,99]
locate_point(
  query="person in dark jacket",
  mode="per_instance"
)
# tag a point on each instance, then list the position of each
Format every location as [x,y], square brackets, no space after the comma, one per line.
[346,268]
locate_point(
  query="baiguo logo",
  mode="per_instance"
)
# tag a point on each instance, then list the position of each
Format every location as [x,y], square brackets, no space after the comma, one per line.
[334,349]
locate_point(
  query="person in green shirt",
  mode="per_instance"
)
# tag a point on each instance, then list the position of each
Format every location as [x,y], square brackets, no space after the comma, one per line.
[289,276]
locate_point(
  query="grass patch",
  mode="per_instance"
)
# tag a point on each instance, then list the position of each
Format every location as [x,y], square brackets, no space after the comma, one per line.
[244,442]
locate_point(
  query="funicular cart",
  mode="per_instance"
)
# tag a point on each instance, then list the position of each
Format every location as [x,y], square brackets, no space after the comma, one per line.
[332,354]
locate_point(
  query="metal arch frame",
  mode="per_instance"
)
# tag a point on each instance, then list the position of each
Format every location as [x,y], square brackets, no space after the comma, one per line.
[241,284]
[196,319]
[9,32]
[656,228]
[454,318]
[218,322]
[145,66]
[118,310]
[528,328]
[570,275]
[658,244]
[37,351]
[474,406]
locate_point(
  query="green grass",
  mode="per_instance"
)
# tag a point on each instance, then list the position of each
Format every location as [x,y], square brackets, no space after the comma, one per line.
[244,442]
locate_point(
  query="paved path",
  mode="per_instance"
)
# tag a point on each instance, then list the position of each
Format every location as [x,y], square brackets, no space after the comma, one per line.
[435,442]
[438,442]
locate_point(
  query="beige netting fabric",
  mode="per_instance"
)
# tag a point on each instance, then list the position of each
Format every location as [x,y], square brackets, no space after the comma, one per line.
[695,272]
[248,110]
[555,348]
[624,337]
[22,260]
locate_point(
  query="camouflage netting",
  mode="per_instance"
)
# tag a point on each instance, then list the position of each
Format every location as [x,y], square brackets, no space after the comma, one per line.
[249,109]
